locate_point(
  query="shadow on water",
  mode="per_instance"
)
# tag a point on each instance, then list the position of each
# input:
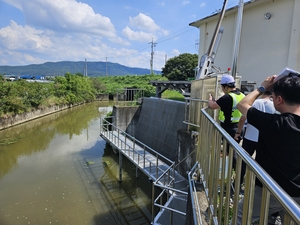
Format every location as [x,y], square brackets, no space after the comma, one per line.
[129,201]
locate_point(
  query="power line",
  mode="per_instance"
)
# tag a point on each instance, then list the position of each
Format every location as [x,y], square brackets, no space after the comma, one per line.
[158,41]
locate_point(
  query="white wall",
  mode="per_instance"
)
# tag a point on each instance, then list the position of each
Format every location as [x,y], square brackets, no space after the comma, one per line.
[266,46]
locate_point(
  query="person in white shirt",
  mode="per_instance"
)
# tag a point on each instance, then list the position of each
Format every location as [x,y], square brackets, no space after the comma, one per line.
[250,137]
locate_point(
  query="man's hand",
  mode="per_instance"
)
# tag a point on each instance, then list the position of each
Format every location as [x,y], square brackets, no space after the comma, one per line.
[212,102]
[247,102]
[211,98]
[268,82]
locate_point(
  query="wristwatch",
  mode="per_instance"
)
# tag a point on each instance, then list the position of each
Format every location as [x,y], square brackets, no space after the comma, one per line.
[261,89]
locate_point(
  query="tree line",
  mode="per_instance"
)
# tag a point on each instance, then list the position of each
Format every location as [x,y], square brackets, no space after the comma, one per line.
[21,96]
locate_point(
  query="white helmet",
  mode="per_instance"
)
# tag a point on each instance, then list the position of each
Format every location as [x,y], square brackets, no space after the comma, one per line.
[227,79]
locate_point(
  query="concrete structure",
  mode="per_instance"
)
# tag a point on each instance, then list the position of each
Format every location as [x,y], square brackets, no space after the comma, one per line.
[158,123]
[270,38]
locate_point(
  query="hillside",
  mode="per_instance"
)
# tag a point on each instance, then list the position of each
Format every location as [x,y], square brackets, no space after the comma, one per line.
[60,68]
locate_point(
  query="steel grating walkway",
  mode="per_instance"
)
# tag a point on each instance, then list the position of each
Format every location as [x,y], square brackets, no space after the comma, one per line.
[152,165]
[157,167]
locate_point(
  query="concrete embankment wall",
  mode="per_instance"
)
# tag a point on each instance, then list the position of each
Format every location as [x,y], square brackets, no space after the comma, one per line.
[25,117]
[13,120]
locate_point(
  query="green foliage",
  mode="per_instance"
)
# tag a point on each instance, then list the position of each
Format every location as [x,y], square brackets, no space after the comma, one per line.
[174,95]
[74,88]
[180,67]
[110,84]
[22,96]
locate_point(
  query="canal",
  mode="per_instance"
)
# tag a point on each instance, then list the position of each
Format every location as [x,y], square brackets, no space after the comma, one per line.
[58,170]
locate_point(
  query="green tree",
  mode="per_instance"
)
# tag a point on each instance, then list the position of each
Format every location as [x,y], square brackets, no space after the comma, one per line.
[180,67]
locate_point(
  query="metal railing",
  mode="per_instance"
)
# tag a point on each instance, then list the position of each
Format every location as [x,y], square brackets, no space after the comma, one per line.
[214,170]
[168,191]
[137,152]
[130,96]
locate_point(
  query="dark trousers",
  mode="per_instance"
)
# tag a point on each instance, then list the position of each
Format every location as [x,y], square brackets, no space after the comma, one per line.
[250,147]
[231,131]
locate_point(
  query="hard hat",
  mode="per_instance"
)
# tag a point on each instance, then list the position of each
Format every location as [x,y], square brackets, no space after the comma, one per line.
[227,79]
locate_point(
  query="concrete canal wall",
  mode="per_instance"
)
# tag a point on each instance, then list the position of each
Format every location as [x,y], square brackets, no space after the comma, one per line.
[6,122]
[158,123]
[25,117]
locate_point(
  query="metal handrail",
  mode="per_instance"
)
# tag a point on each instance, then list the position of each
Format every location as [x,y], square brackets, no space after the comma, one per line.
[209,144]
[135,141]
[167,187]
[194,200]
[116,138]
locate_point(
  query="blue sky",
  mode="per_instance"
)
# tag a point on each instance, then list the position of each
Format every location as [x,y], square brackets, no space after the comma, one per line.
[119,31]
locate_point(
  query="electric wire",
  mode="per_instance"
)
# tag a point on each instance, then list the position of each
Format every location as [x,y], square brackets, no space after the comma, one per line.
[173,35]
[158,41]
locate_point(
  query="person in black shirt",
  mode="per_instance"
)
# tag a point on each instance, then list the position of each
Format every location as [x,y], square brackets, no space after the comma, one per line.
[278,148]
[229,115]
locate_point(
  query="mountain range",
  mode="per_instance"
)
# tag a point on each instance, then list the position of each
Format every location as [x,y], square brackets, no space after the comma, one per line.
[60,68]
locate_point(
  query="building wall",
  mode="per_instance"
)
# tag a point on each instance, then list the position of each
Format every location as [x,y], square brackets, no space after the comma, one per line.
[266,46]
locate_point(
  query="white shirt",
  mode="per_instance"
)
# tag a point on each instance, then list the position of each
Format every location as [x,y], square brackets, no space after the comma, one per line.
[264,105]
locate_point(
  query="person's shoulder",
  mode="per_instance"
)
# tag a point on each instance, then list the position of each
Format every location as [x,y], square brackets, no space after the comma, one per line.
[291,116]
[258,102]
[224,100]
[254,111]
[237,92]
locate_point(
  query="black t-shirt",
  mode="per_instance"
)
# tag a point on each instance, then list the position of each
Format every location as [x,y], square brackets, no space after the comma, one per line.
[225,103]
[278,150]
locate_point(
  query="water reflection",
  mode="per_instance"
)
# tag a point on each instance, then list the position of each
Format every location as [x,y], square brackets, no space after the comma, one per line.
[36,135]
[57,170]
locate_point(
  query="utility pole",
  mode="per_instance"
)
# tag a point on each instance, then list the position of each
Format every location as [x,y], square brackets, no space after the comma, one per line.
[106,66]
[152,53]
[166,58]
[85,68]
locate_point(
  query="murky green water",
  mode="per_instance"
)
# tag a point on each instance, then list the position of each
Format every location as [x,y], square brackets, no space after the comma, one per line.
[57,170]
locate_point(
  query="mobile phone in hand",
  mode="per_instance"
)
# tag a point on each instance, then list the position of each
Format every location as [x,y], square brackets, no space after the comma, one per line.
[212,97]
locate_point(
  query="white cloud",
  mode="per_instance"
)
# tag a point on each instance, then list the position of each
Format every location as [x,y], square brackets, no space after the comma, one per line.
[67,16]
[175,52]
[140,36]
[60,30]
[202,4]
[143,22]
[185,2]
[24,38]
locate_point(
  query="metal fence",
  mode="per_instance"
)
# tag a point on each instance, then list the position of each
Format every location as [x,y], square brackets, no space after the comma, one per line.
[129,96]
[160,169]
[214,170]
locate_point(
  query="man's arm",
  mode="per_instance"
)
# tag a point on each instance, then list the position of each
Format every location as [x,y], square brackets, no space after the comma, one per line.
[212,103]
[240,127]
[247,102]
